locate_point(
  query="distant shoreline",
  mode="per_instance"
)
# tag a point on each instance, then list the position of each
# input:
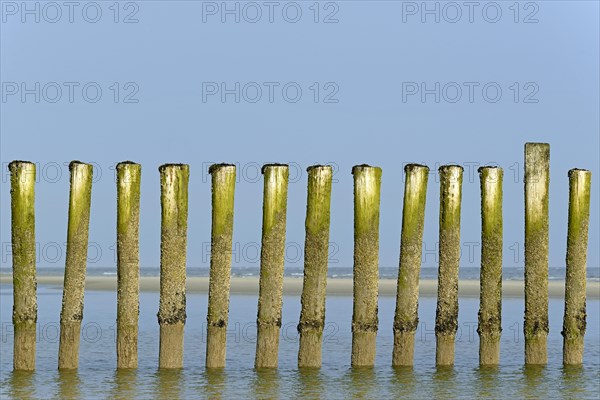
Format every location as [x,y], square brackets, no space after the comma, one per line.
[293,286]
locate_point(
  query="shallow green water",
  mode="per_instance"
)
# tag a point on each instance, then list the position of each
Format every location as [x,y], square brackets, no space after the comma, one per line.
[381,382]
[98,378]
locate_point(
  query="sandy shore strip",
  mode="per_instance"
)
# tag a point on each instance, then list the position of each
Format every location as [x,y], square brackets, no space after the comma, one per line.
[293,286]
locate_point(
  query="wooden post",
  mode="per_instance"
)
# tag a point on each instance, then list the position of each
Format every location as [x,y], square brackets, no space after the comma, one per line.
[490,305]
[537,182]
[406,318]
[174,180]
[75,266]
[128,262]
[22,193]
[223,190]
[367,187]
[272,256]
[446,316]
[574,321]
[316,256]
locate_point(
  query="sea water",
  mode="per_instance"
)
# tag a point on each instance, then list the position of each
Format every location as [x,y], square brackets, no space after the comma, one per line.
[427,272]
[97,376]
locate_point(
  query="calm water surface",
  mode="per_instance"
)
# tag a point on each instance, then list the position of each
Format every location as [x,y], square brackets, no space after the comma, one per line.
[98,378]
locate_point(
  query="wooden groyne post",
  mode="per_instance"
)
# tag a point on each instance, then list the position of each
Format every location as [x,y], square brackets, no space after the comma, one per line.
[537,182]
[316,257]
[128,262]
[24,317]
[77,247]
[223,190]
[406,317]
[272,257]
[574,322]
[490,282]
[446,316]
[174,180]
[367,189]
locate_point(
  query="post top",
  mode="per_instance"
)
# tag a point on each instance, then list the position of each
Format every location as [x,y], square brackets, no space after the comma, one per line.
[215,167]
[574,171]
[125,164]
[537,144]
[410,166]
[488,167]
[16,163]
[318,166]
[163,167]
[273,165]
[77,163]
[358,168]
[445,168]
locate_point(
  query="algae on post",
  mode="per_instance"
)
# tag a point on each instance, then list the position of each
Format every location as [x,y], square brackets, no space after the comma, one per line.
[574,321]
[174,180]
[316,256]
[128,257]
[75,265]
[272,257]
[24,316]
[223,190]
[537,181]
[490,307]
[406,317]
[446,315]
[367,189]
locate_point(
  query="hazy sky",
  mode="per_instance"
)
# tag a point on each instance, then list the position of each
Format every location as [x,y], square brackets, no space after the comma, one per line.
[368,82]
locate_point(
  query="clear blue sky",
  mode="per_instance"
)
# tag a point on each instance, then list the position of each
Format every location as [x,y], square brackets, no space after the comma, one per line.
[372,60]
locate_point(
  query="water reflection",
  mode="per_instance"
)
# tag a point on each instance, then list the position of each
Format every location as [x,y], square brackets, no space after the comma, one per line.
[169,383]
[21,384]
[363,382]
[487,378]
[444,382]
[534,381]
[266,383]
[125,383]
[216,379]
[69,384]
[404,380]
[574,380]
[308,383]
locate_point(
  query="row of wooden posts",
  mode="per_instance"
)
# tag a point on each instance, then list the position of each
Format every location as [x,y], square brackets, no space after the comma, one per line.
[367,181]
